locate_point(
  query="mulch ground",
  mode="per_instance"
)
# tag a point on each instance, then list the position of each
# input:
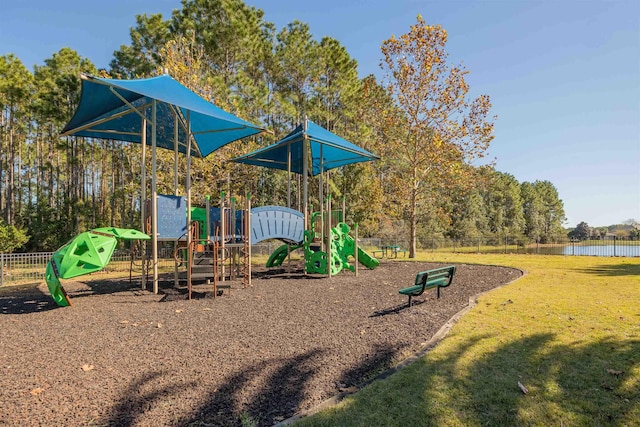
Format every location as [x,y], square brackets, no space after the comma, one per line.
[122,356]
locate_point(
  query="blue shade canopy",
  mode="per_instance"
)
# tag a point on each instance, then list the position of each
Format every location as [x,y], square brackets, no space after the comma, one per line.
[328,151]
[108,107]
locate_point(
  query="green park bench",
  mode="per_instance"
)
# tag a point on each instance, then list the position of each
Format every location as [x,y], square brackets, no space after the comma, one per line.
[436,278]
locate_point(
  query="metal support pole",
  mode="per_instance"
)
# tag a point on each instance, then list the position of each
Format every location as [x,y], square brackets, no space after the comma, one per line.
[208,217]
[188,191]
[289,176]
[233,263]
[175,155]
[305,172]
[328,252]
[154,194]
[176,276]
[321,195]
[207,231]
[248,237]
[222,236]
[143,202]
[321,177]
[289,201]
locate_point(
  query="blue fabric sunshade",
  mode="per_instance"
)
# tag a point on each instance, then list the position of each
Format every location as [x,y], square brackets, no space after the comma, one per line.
[105,111]
[336,151]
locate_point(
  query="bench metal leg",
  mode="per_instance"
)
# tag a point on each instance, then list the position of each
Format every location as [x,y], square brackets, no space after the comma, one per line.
[409,300]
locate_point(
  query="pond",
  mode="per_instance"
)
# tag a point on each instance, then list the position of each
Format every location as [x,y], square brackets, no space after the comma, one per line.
[622,250]
[603,250]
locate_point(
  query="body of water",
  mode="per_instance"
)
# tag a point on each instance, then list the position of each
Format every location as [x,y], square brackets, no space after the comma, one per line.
[587,250]
[604,250]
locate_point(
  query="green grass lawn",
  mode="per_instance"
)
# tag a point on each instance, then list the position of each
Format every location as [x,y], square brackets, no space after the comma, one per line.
[568,331]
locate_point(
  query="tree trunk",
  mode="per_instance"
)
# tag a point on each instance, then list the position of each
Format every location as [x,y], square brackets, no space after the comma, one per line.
[29,189]
[11,172]
[19,190]
[413,217]
[2,159]
[104,192]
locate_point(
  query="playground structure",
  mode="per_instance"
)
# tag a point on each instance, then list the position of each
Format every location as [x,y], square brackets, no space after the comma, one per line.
[221,239]
[125,110]
[220,243]
[327,249]
[215,246]
[86,253]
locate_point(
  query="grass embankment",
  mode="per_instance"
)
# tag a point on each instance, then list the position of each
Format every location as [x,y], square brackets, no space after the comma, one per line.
[569,332]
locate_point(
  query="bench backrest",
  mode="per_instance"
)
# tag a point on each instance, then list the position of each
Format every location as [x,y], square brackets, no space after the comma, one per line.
[438,273]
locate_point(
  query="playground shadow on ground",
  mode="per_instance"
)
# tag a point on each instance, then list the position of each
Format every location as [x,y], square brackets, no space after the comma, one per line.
[283,390]
[87,286]
[25,299]
[295,273]
[396,309]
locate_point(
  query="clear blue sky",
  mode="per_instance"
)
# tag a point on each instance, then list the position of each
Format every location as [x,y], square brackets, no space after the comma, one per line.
[563,75]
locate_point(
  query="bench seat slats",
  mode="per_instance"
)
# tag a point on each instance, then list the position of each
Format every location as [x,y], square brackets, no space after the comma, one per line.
[418,289]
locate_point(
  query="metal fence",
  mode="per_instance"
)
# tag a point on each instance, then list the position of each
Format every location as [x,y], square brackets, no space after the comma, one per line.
[30,267]
[514,244]
[521,245]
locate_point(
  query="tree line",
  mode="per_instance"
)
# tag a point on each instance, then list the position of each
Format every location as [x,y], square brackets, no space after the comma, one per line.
[629,229]
[418,117]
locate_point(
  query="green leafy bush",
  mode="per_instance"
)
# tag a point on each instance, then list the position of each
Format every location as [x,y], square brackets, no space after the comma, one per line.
[11,237]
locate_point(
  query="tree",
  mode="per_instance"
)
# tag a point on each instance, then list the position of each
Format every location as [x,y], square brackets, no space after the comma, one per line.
[504,205]
[441,127]
[236,43]
[552,210]
[58,85]
[419,120]
[374,114]
[142,57]
[11,237]
[533,207]
[296,70]
[468,215]
[337,86]
[16,87]
[581,232]
[602,232]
